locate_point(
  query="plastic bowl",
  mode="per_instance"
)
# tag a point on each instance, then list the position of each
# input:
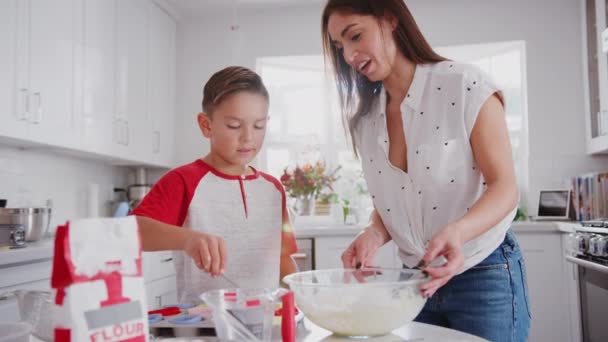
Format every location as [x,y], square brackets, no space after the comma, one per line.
[243,314]
[359,303]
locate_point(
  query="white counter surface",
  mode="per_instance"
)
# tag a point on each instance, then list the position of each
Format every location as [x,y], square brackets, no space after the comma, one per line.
[39,250]
[323,229]
[44,249]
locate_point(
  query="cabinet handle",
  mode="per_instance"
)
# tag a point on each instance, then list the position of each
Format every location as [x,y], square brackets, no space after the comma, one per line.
[156,142]
[299,255]
[38,115]
[128,136]
[166,260]
[159,301]
[23,115]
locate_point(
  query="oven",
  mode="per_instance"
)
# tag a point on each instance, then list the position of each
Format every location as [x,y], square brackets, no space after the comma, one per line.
[588,249]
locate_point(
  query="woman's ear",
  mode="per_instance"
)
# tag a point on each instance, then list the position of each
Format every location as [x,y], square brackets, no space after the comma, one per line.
[391,20]
[204,123]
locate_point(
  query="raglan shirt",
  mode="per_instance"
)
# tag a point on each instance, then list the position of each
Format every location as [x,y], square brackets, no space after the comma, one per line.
[249,212]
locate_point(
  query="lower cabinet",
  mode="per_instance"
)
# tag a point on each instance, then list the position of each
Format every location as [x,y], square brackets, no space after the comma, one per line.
[159,277]
[552,287]
[34,275]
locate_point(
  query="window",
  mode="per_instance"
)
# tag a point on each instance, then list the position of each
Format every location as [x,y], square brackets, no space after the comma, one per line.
[306,125]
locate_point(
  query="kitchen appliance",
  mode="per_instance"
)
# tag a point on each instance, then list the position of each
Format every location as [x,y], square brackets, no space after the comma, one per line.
[588,249]
[18,225]
[359,303]
[136,192]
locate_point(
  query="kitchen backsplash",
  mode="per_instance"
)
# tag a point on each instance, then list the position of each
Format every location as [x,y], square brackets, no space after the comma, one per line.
[30,177]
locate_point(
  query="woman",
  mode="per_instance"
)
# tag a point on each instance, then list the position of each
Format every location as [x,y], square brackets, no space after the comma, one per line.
[432,138]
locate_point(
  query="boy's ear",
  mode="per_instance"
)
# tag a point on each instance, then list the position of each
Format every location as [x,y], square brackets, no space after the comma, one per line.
[204,123]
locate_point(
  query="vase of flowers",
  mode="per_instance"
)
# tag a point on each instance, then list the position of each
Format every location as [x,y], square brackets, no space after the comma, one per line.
[306,183]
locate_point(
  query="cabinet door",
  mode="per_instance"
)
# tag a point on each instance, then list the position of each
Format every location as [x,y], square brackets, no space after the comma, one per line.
[13,96]
[543,257]
[132,64]
[161,292]
[328,252]
[51,50]
[161,85]
[101,130]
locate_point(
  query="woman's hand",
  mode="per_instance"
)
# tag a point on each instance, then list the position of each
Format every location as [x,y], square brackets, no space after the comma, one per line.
[361,251]
[207,251]
[447,243]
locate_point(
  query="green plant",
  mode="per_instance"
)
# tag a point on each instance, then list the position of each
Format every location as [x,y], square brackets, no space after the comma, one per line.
[308,180]
[520,215]
[345,207]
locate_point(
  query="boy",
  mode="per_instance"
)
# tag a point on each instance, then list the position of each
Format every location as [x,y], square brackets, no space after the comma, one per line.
[225,215]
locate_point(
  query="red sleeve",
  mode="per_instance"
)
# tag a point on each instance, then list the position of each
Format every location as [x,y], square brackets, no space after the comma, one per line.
[167,201]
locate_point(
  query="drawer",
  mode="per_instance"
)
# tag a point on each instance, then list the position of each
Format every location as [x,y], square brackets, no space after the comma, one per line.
[157,265]
[16,274]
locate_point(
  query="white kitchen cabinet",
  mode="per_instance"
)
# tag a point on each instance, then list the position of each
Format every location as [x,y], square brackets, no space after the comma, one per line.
[27,275]
[159,277]
[38,61]
[101,131]
[161,84]
[596,63]
[50,73]
[12,99]
[80,75]
[550,282]
[329,249]
[132,79]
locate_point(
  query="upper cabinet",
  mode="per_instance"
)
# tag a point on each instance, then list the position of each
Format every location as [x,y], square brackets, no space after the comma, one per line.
[596,48]
[161,82]
[13,101]
[96,76]
[99,128]
[37,71]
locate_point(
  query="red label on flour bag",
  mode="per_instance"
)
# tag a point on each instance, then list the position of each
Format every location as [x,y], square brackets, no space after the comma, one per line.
[97,275]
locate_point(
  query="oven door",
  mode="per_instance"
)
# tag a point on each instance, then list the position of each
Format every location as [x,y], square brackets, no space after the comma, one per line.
[593,284]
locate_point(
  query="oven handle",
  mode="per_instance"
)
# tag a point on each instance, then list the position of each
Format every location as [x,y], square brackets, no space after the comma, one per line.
[588,264]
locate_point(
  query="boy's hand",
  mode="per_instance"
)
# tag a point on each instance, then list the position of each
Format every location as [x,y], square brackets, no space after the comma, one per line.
[207,251]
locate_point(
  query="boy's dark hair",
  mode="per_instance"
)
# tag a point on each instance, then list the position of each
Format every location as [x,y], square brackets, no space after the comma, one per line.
[228,81]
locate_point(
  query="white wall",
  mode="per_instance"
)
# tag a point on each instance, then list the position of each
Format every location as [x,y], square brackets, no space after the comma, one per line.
[28,177]
[552,30]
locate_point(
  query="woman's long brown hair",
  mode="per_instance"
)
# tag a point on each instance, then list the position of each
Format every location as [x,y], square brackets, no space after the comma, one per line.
[357,94]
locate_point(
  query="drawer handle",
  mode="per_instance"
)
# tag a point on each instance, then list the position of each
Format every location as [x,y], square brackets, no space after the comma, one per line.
[166,260]
[299,255]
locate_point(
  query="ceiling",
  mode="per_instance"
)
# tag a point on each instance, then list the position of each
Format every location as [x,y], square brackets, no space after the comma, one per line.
[198,8]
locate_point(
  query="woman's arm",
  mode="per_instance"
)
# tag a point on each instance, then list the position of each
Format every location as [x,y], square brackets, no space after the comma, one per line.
[492,151]
[364,246]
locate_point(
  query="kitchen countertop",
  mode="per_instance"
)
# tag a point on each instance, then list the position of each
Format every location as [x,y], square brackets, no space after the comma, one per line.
[43,249]
[40,250]
[309,332]
[311,230]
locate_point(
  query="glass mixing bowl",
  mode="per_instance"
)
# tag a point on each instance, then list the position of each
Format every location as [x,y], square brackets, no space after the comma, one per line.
[359,303]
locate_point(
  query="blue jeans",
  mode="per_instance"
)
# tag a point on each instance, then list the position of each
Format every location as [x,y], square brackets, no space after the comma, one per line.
[489,300]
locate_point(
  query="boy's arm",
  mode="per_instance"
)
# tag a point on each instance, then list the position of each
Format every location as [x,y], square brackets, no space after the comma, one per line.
[207,251]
